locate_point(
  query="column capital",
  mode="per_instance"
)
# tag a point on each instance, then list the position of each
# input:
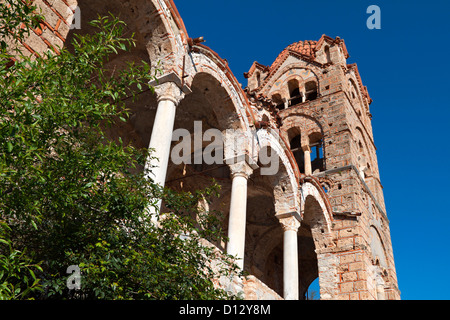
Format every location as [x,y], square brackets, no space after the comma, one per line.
[306,148]
[289,221]
[170,87]
[169,91]
[241,169]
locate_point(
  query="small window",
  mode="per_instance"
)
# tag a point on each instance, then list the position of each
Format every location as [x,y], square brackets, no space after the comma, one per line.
[258,79]
[327,54]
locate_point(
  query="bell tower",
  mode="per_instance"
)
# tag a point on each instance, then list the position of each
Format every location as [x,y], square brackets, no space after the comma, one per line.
[321,109]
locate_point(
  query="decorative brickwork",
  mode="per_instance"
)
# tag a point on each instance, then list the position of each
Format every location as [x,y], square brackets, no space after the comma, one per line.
[52,33]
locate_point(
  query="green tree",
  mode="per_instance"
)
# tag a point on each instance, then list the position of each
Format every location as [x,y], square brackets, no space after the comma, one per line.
[73,196]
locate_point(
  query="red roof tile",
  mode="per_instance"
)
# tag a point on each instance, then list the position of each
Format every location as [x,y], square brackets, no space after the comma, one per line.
[306,48]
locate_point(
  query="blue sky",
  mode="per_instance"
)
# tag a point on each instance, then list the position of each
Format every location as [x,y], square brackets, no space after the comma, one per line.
[406,67]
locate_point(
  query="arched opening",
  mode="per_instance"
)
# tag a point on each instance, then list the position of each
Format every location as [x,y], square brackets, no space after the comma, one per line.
[296,148]
[311,231]
[268,195]
[294,92]
[311,90]
[204,115]
[363,158]
[264,236]
[143,19]
[316,228]
[307,260]
[317,154]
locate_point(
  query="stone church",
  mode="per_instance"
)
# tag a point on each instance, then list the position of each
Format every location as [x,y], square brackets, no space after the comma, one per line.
[321,212]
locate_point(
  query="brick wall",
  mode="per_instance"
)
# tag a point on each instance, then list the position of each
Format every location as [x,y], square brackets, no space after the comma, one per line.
[341,113]
[53,31]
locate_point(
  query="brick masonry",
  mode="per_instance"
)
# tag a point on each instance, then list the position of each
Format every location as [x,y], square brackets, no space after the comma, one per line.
[361,261]
[52,33]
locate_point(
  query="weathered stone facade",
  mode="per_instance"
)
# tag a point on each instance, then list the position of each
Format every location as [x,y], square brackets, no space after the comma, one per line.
[322,213]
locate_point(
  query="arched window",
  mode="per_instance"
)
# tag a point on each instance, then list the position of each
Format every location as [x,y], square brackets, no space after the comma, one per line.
[317,158]
[311,90]
[294,92]
[296,148]
[258,79]
[353,91]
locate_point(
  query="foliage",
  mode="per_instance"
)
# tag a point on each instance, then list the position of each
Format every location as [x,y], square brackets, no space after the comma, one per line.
[17,272]
[16,19]
[71,195]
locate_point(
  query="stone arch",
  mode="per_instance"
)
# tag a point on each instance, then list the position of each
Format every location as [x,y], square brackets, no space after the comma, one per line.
[355,97]
[286,186]
[277,81]
[294,119]
[155,25]
[209,108]
[269,196]
[211,101]
[312,190]
[159,27]
[317,225]
[212,104]
[380,263]
[310,129]
[201,62]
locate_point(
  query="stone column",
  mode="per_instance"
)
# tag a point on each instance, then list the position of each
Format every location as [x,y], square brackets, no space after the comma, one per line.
[169,96]
[307,157]
[240,172]
[290,223]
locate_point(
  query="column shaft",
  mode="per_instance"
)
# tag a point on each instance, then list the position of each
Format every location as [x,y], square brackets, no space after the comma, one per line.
[290,265]
[161,140]
[237,219]
[169,96]
[307,157]
[290,223]
[238,211]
